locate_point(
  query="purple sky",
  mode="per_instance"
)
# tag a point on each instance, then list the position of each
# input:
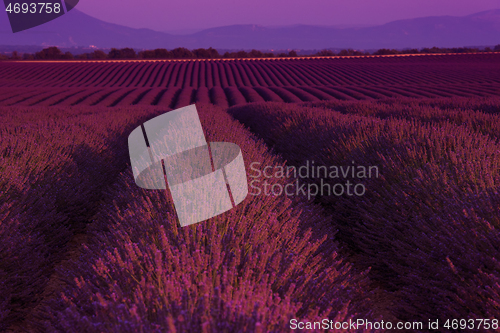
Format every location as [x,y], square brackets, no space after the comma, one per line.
[179,15]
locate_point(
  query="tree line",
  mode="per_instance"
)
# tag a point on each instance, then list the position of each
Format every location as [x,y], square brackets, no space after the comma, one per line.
[54,53]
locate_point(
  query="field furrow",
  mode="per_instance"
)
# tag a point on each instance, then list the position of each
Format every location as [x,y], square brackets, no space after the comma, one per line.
[186,97]
[234,96]
[168,97]
[202,95]
[268,94]
[75,99]
[151,96]
[218,97]
[251,95]
[285,94]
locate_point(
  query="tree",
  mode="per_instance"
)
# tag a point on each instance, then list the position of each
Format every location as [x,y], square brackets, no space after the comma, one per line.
[325,53]
[49,53]
[269,55]
[348,52]
[255,54]
[201,53]
[16,56]
[67,56]
[163,54]
[386,51]
[241,54]
[497,48]
[147,54]
[114,54]
[98,54]
[209,53]
[410,51]
[213,53]
[126,53]
[155,54]
[182,52]
[292,53]
[432,50]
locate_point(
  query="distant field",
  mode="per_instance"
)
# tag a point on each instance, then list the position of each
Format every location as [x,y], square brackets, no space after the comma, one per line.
[229,83]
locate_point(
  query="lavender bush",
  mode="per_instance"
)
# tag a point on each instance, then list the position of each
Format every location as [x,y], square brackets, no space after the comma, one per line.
[427,227]
[251,269]
[54,164]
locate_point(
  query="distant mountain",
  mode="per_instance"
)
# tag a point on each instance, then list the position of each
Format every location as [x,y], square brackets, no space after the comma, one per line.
[442,31]
[79,29]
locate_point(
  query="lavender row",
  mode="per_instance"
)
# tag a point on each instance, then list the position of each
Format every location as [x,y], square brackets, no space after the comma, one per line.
[428,225]
[253,268]
[55,163]
[478,114]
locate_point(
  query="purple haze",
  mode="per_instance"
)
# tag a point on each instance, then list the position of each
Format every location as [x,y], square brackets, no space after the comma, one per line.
[189,15]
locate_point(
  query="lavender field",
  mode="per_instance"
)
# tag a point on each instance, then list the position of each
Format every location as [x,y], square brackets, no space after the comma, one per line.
[84,249]
[230,82]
